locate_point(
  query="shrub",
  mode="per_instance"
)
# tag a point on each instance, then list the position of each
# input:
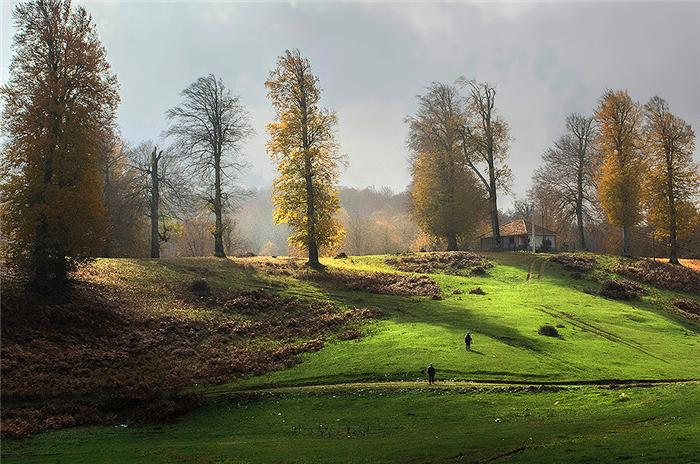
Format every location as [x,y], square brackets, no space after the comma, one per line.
[449,262]
[689,306]
[662,275]
[621,290]
[548,331]
[575,262]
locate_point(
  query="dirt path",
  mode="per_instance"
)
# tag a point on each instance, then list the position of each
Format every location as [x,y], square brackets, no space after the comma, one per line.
[532,268]
[459,385]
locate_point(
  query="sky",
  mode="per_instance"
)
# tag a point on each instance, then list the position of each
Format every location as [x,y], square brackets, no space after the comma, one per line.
[546,60]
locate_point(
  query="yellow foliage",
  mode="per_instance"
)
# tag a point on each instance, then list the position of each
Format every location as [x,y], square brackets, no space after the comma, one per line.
[302,144]
[621,167]
[673,180]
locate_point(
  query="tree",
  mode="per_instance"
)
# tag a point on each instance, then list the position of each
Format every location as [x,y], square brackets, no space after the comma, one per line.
[621,166]
[123,202]
[485,141]
[569,172]
[303,145]
[59,104]
[164,189]
[209,127]
[673,181]
[445,200]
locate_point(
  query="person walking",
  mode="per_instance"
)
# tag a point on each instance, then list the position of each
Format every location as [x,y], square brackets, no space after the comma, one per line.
[431,374]
[468,341]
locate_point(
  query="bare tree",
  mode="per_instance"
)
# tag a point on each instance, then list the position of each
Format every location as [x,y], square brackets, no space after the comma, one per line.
[209,127]
[164,188]
[485,139]
[569,172]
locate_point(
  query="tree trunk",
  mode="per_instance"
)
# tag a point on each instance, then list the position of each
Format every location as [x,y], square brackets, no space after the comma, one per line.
[311,219]
[579,203]
[313,254]
[673,229]
[452,242]
[155,200]
[579,221]
[218,210]
[495,227]
[626,242]
[673,259]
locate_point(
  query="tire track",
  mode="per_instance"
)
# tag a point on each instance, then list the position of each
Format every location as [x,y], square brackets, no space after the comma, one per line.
[576,322]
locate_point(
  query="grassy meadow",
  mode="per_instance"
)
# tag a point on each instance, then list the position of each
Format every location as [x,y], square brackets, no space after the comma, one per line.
[619,383]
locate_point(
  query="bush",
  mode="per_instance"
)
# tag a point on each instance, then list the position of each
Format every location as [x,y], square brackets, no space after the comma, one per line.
[548,331]
[662,275]
[449,262]
[574,262]
[621,290]
[689,306]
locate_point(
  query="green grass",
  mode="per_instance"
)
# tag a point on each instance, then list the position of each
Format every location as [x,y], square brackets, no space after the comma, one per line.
[365,424]
[601,340]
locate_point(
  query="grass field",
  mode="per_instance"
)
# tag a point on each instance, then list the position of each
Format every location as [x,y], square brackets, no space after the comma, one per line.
[619,383]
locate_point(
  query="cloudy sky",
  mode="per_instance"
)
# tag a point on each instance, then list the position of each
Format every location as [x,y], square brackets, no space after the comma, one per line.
[546,60]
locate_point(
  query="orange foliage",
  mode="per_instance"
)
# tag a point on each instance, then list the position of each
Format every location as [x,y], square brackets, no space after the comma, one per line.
[59,103]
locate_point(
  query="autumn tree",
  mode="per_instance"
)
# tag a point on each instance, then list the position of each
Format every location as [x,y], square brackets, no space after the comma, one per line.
[445,200]
[485,139]
[568,173]
[303,145]
[208,128]
[621,168]
[673,181]
[59,103]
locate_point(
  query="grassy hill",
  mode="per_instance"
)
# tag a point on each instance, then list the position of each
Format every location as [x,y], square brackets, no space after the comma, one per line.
[265,360]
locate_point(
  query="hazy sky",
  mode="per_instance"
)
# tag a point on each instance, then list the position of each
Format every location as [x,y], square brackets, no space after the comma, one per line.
[545,59]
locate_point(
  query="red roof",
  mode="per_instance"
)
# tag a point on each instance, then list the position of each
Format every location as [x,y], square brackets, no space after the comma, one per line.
[521,227]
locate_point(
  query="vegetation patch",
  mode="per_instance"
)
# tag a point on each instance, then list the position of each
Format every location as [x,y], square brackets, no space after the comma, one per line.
[689,306]
[383,283]
[621,290]
[662,275]
[548,331]
[448,262]
[89,357]
[575,262]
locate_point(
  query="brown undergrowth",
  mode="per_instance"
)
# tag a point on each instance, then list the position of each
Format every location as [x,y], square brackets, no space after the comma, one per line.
[662,275]
[90,356]
[575,262]
[383,283]
[448,262]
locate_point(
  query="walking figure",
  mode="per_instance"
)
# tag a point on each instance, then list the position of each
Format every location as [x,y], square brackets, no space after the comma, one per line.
[431,374]
[468,341]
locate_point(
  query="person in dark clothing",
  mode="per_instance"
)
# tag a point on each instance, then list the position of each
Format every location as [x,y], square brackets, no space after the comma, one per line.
[431,374]
[468,341]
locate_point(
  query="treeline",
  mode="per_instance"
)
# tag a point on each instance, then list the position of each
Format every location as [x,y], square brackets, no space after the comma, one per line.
[628,167]
[73,189]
